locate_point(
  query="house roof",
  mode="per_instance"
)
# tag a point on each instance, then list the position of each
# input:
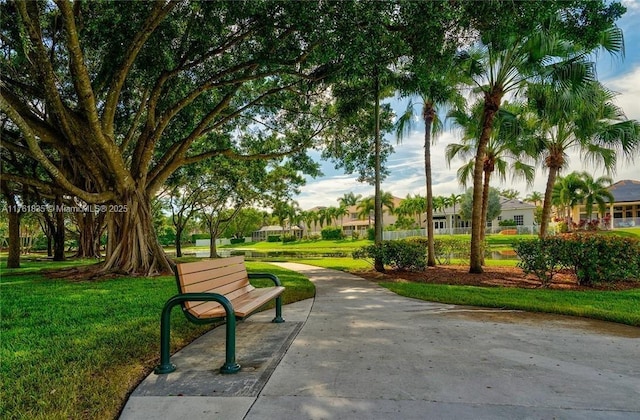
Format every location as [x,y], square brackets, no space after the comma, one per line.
[625,191]
[271,228]
[505,204]
[508,204]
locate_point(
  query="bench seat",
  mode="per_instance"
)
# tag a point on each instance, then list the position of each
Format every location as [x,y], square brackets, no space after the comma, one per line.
[213,290]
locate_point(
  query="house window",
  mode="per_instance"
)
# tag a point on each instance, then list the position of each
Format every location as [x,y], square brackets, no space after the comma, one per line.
[519,219]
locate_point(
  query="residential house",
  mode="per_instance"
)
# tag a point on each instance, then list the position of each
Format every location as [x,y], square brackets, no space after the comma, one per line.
[448,220]
[275,230]
[624,211]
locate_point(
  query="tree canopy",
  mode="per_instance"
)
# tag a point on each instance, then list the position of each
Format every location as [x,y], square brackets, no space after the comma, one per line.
[103,101]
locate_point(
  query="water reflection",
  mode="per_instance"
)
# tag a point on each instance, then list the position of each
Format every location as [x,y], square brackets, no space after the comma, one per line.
[272,254]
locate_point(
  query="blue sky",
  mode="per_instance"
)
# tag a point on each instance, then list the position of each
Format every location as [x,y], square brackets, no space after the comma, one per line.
[407,163]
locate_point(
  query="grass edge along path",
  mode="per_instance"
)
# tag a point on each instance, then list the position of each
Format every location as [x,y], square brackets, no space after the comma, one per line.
[616,306]
[77,349]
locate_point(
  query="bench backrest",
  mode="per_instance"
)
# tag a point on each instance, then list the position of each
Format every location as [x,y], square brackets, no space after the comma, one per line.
[225,276]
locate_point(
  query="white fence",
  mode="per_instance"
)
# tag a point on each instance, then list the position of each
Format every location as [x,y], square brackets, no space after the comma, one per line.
[219,241]
[400,234]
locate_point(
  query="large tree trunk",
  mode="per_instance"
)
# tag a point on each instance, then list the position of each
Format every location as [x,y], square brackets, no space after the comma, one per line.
[546,206]
[491,106]
[13,259]
[213,250]
[428,114]
[178,242]
[89,230]
[132,245]
[58,232]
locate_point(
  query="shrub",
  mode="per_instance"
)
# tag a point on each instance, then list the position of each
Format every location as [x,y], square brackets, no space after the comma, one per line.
[445,247]
[508,222]
[592,258]
[602,259]
[289,238]
[540,257]
[400,255]
[331,233]
[273,238]
[371,234]
[314,237]
[237,240]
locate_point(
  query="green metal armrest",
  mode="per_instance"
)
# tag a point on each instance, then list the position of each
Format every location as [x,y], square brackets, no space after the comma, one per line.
[230,365]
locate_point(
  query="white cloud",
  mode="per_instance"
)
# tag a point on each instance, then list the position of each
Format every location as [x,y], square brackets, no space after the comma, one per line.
[628,88]
[407,162]
[633,6]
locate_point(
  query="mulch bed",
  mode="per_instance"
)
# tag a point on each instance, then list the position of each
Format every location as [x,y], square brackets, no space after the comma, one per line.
[492,276]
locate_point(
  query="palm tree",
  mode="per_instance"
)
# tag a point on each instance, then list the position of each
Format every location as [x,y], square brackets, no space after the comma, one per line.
[503,151]
[534,198]
[324,216]
[439,204]
[365,207]
[435,91]
[595,192]
[586,120]
[386,199]
[502,67]
[567,193]
[309,217]
[341,212]
[349,199]
[454,199]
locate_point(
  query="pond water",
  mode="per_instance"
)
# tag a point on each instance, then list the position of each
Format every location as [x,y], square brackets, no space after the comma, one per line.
[273,254]
[494,255]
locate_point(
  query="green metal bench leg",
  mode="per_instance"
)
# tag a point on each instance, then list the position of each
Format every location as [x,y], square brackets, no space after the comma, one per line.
[278,319]
[165,366]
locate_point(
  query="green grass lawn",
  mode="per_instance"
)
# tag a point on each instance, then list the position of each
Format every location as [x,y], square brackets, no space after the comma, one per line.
[74,349]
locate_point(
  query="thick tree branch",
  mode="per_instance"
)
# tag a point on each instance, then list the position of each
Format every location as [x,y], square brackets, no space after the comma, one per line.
[82,84]
[157,15]
[29,14]
[49,166]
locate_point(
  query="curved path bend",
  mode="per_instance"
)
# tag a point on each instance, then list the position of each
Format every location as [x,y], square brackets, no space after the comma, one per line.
[359,351]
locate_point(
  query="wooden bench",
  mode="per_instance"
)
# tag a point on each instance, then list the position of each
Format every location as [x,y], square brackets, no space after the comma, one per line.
[215,290]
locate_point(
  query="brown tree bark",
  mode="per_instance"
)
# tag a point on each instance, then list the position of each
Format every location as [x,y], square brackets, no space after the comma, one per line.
[491,105]
[428,115]
[132,244]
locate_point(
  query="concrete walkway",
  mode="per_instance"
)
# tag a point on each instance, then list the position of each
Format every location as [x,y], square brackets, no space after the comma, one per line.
[358,351]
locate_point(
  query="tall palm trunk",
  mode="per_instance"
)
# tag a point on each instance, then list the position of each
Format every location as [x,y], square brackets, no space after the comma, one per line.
[378,264]
[491,106]
[485,208]
[546,206]
[554,162]
[428,114]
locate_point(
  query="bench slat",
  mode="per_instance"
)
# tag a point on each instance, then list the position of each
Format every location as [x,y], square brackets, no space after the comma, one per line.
[211,284]
[216,263]
[242,306]
[227,277]
[198,307]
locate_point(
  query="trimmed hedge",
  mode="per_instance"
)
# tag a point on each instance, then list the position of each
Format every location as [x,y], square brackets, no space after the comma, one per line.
[331,233]
[593,258]
[400,255]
